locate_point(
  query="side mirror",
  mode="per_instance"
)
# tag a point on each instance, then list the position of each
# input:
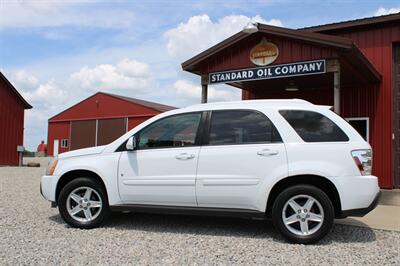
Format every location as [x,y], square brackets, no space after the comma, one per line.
[131,144]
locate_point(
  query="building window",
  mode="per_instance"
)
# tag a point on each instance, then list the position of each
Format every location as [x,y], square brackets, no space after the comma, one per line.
[361,124]
[64,143]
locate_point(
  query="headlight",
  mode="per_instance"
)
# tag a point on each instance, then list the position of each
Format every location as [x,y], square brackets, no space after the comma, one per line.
[363,160]
[52,166]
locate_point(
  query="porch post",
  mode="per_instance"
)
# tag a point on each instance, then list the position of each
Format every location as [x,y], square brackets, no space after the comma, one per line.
[204,88]
[333,65]
[336,92]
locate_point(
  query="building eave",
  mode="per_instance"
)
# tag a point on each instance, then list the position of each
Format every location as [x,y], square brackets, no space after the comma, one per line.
[353,23]
[345,46]
[15,91]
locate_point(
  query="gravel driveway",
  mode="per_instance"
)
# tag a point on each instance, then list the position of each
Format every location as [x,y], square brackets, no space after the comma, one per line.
[33,233]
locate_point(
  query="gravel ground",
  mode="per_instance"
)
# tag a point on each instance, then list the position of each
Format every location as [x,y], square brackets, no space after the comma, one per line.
[33,233]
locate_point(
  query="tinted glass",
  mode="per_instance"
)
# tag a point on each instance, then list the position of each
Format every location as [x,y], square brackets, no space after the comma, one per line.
[313,127]
[174,131]
[240,127]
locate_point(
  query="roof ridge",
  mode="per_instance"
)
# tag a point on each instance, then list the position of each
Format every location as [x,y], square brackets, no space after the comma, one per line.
[145,103]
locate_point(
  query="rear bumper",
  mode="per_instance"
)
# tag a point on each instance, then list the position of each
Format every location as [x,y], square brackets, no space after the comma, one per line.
[356,192]
[363,211]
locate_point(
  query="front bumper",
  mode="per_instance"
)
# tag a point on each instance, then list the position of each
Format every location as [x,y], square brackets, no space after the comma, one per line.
[363,211]
[48,187]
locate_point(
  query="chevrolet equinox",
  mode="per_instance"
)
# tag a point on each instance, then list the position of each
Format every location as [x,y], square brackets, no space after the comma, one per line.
[289,160]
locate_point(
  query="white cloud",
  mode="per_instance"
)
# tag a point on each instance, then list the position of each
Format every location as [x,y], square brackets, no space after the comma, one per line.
[200,33]
[47,99]
[386,11]
[22,79]
[192,92]
[49,93]
[125,75]
[47,13]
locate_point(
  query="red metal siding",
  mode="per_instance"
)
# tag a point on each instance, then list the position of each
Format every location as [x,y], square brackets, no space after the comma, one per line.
[134,121]
[11,125]
[58,130]
[376,103]
[237,56]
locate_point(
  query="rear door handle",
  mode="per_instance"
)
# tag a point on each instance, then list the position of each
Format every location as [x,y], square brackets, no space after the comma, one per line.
[184,156]
[267,152]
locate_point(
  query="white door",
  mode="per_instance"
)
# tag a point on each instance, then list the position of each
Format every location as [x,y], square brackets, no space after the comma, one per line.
[162,171]
[55,147]
[244,150]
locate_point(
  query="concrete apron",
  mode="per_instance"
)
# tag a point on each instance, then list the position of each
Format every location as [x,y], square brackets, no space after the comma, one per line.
[385,216]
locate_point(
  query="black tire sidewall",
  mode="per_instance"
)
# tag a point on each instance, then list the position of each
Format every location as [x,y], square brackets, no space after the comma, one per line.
[319,195]
[83,182]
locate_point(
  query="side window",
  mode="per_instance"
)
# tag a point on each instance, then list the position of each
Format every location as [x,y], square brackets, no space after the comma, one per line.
[313,126]
[241,127]
[175,131]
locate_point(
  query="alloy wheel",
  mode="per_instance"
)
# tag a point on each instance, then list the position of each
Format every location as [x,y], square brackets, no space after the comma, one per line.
[84,204]
[303,215]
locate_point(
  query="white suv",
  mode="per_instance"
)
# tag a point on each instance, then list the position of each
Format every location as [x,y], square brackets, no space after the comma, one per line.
[298,163]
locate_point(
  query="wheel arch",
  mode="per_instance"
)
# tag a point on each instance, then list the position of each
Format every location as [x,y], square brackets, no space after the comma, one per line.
[74,174]
[320,182]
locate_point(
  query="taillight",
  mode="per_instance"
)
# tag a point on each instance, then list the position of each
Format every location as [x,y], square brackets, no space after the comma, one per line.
[363,160]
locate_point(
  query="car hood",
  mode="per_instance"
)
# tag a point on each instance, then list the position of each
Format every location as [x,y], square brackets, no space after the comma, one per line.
[81,152]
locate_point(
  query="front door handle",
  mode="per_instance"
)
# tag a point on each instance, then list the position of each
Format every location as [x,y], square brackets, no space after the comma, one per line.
[267,152]
[184,156]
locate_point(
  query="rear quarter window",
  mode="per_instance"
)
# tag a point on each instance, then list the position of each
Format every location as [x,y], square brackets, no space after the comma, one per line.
[314,127]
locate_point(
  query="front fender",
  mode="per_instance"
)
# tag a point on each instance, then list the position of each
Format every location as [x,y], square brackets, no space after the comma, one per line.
[103,165]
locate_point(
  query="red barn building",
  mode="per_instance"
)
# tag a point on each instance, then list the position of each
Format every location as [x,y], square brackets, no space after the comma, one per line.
[12,108]
[353,66]
[98,120]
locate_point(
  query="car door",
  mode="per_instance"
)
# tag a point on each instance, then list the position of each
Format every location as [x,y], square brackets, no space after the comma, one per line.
[162,169]
[242,150]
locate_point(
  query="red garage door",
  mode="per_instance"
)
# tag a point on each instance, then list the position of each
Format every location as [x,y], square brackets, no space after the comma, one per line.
[83,134]
[110,129]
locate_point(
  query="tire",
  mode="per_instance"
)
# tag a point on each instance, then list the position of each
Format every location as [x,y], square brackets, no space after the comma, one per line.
[297,226]
[83,203]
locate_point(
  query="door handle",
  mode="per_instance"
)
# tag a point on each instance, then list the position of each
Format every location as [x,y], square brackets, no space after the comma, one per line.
[184,156]
[267,152]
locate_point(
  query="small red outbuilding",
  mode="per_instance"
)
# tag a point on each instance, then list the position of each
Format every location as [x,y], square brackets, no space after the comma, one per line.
[98,120]
[12,108]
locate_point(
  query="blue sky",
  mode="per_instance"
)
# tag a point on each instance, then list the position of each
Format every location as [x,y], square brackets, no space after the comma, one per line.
[56,53]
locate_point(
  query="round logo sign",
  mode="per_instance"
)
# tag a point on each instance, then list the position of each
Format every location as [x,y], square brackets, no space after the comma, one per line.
[264,53]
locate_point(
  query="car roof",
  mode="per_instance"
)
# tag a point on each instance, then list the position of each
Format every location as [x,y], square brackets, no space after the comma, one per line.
[253,104]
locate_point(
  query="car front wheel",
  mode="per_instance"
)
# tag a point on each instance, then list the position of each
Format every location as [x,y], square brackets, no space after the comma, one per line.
[83,203]
[303,214]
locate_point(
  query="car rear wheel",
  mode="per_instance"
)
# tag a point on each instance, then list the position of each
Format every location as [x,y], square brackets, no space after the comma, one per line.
[303,214]
[83,203]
